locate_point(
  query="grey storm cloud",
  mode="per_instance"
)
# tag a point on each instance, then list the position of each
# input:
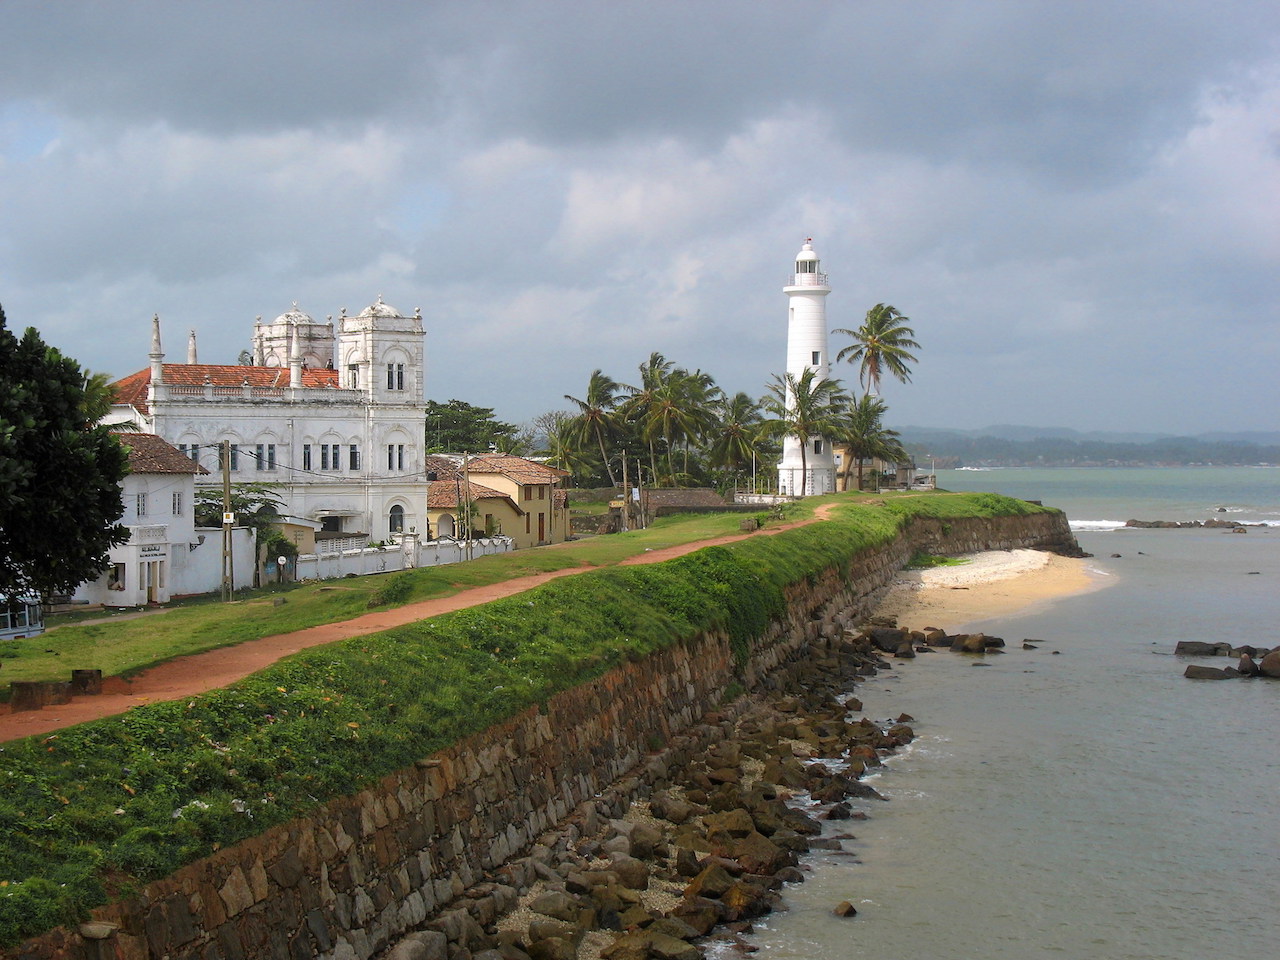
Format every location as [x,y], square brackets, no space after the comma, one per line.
[1062,196]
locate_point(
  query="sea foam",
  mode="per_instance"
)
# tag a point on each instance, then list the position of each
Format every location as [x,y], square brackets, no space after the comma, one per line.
[1101,525]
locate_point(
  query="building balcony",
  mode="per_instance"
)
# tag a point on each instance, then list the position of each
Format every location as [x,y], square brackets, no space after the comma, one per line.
[807,280]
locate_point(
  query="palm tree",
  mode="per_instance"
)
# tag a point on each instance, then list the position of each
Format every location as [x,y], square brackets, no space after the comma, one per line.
[564,450]
[801,408]
[862,431]
[596,414]
[736,432]
[694,395]
[639,408]
[883,343]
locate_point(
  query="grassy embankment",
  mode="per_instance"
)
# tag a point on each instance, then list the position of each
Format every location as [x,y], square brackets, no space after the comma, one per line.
[103,806]
[125,647]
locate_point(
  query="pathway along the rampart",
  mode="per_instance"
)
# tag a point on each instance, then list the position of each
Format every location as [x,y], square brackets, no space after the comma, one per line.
[201,672]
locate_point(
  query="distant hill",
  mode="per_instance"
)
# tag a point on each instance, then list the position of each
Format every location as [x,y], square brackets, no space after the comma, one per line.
[1013,445]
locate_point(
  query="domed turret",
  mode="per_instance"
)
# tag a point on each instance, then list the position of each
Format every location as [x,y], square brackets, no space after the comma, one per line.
[380,309]
[274,342]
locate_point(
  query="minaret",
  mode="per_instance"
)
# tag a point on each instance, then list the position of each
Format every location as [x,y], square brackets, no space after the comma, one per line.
[156,356]
[295,362]
[807,350]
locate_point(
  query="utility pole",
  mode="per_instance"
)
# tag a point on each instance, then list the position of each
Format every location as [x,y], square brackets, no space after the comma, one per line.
[466,492]
[228,521]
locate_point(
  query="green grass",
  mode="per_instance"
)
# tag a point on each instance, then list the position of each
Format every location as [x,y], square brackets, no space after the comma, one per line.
[926,561]
[134,797]
[125,647]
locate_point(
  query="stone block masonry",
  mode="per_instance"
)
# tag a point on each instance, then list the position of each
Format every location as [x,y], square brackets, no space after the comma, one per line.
[353,877]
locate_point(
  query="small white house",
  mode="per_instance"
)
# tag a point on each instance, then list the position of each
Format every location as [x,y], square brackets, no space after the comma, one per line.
[165,556]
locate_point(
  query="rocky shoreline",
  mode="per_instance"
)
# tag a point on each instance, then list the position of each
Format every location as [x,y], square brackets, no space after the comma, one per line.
[699,842]
[1232,526]
[1251,661]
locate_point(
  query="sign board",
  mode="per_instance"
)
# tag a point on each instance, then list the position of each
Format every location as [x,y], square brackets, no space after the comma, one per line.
[229,518]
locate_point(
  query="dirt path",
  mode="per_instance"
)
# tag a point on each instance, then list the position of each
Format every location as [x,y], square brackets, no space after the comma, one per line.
[201,672]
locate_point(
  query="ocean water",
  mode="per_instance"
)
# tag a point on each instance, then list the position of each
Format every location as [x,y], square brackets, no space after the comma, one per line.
[1089,803]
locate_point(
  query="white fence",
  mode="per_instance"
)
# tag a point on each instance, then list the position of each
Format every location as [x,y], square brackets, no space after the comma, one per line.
[403,556]
[765,499]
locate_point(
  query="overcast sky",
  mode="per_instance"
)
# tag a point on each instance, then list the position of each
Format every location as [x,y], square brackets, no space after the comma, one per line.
[1077,204]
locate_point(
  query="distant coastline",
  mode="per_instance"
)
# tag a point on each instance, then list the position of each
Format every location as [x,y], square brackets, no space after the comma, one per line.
[959,450]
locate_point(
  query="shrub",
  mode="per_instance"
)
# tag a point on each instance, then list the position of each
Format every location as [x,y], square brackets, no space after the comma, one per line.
[396,590]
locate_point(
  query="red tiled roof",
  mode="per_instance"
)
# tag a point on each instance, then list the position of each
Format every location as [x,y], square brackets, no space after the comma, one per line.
[133,388]
[151,454]
[517,468]
[442,493]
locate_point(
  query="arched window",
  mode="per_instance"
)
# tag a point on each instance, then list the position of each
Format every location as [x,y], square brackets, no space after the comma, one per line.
[395,519]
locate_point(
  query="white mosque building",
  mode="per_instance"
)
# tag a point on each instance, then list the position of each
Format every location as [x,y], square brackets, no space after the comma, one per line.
[807,350]
[332,417]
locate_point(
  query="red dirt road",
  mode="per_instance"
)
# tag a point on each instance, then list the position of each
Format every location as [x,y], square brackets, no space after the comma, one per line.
[201,672]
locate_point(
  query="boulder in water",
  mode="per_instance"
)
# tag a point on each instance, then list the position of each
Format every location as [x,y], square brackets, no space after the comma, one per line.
[1196,671]
[1269,666]
[1200,648]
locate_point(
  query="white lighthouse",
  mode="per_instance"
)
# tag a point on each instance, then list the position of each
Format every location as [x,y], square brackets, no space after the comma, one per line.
[807,350]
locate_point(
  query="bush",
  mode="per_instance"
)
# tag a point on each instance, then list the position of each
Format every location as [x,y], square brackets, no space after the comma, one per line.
[397,589]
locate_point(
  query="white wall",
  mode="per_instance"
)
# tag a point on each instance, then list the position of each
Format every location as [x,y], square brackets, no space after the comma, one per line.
[332,566]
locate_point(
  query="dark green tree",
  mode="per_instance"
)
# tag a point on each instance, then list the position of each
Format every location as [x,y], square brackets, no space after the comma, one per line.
[457,427]
[256,505]
[60,471]
[737,433]
[862,431]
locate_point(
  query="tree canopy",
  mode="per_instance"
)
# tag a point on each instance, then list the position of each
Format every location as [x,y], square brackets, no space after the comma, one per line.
[457,427]
[60,471]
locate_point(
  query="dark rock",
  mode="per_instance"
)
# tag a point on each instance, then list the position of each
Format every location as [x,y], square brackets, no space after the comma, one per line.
[758,854]
[711,882]
[1196,671]
[1269,666]
[632,873]
[700,913]
[845,909]
[554,948]
[686,862]
[1199,648]
[736,822]
[561,906]
[969,643]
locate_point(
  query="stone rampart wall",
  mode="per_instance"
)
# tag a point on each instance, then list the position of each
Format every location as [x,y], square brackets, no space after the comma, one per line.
[348,880]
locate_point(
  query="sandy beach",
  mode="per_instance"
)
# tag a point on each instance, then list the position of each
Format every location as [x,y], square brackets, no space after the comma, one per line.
[987,586]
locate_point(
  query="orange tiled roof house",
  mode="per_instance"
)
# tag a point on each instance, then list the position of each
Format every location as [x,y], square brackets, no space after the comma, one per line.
[331,415]
[505,495]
